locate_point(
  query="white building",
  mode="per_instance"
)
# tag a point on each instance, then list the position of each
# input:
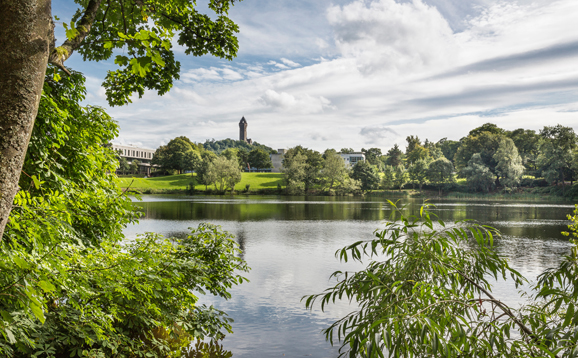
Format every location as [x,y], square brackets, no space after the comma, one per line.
[277,160]
[132,152]
[352,158]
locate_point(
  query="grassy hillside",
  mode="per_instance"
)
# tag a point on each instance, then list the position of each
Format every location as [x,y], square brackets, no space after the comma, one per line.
[257,181]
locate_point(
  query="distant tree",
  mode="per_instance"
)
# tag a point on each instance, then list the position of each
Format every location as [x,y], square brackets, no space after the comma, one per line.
[334,170]
[388,180]
[448,148]
[440,172]
[418,172]
[134,166]
[556,153]
[509,167]
[367,174]
[372,155]
[412,142]
[313,164]
[346,151]
[243,158]
[174,155]
[487,127]
[221,145]
[477,174]
[207,157]
[401,176]
[230,153]
[258,158]
[123,165]
[418,152]
[434,151]
[528,144]
[223,173]
[294,169]
[394,156]
[192,160]
[484,143]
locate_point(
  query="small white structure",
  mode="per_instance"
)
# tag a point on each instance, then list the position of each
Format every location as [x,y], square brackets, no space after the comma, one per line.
[352,158]
[277,160]
[132,152]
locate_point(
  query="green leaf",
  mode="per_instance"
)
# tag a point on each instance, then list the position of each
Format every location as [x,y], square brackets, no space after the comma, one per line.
[46,286]
[37,311]
[569,314]
[36,182]
[21,262]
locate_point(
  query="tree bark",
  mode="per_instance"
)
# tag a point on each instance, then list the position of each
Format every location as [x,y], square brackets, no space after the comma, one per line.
[26,37]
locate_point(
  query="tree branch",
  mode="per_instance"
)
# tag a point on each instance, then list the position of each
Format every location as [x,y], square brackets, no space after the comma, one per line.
[61,53]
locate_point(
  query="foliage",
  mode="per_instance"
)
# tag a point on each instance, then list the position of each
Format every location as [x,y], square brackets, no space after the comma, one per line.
[140,36]
[418,153]
[478,176]
[427,292]
[307,173]
[367,174]
[134,166]
[509,167]
[388,179]
[412,143]
[488,128]
[207,157]
[217,146]
[223,173]
[440,172]
[556,153]
[179,154]
[372,155]
[448,148]
[418,172]
[334,170]
[527,142]
[258,158]
[485,143]
[70,286]
[401,177]
[123,167]
[294,171]
[394,156]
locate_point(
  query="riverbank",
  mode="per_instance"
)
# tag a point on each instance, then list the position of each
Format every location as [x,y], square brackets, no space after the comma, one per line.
[272,184]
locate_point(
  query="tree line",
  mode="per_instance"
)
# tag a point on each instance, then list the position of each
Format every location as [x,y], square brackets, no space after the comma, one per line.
[488,158]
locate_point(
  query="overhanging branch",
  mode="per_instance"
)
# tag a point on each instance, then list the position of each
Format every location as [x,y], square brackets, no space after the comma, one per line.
[62,53]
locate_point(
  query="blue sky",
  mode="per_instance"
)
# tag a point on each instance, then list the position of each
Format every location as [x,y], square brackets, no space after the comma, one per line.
[334,74]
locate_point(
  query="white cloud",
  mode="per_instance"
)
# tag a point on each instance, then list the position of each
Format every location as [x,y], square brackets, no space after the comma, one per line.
[304,104]
[290,63]
[399,70]
[385,35]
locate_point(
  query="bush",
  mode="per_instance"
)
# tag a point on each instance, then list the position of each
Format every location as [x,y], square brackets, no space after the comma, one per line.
[427,292]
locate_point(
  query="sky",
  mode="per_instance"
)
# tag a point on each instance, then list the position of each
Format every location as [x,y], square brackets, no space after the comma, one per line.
[360,74]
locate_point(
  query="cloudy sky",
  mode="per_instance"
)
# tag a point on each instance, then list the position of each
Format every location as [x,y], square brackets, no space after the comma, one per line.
[342,73]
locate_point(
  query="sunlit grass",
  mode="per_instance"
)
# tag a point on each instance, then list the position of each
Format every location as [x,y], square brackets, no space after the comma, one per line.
[256,181]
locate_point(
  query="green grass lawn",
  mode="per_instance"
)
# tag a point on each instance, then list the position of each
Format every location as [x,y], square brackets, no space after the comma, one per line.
[181,181]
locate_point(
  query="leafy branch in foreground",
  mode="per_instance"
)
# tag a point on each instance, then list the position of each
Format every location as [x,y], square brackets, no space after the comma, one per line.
[427,292]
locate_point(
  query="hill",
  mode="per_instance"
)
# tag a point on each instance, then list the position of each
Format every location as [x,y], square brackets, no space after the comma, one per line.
[217,146]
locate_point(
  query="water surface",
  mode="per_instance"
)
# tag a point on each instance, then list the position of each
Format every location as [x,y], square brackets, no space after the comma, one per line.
[289,242]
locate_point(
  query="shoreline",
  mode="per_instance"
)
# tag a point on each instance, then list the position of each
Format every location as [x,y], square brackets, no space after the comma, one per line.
[409,193]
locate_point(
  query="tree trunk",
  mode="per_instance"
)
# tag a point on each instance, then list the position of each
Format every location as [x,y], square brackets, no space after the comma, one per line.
[26,37]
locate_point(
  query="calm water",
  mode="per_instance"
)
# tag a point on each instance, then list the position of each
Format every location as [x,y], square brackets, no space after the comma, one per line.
[289,242]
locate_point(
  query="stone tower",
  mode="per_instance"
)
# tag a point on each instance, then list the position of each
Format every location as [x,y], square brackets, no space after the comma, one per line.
[243,129]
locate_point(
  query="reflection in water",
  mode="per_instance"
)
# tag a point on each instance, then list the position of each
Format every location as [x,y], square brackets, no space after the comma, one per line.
[290,243]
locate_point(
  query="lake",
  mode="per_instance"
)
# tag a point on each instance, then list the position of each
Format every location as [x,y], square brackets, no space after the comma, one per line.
[290,242]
